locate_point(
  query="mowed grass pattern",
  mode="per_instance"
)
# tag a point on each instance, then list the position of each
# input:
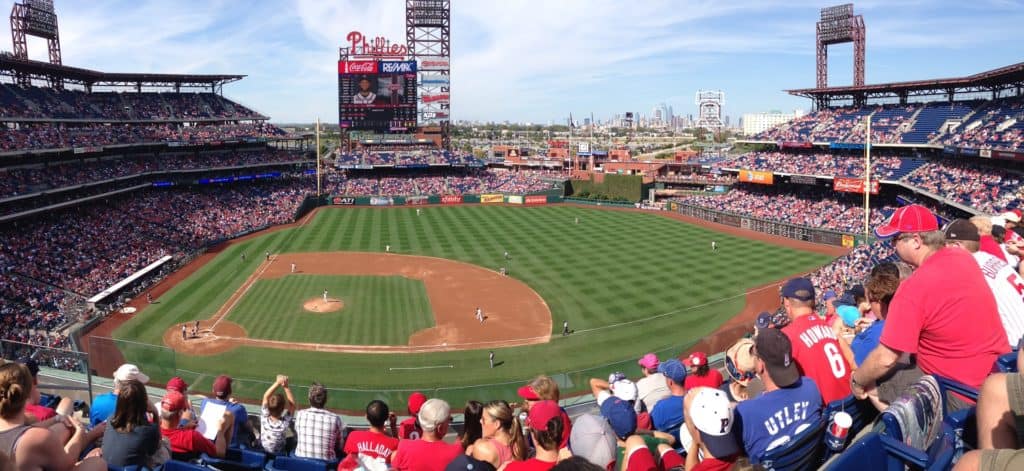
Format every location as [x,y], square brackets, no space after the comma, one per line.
[379,310]
[628,283]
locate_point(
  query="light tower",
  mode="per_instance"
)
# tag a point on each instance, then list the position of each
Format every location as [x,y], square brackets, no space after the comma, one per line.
[839,25]
[35,18]
[428,35]
[709,109]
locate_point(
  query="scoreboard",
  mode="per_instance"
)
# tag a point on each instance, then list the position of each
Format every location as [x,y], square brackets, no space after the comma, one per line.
[376,95]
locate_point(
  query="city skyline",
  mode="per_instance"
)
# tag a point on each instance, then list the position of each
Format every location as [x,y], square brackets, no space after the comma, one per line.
[527,61]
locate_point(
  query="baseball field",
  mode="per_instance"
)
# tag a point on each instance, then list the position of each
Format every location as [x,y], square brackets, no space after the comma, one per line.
[402,291]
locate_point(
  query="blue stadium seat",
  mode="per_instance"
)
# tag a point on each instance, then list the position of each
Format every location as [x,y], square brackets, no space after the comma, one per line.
[1007,363]
[862,412]
[292,463]
[111,467]
[928,437]
[175,465]
[805,451]
[878,452]
[236,460]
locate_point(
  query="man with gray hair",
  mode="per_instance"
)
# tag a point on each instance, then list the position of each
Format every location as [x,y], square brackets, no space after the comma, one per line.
[944,312]
[430,452]
[320,432]
[104,404]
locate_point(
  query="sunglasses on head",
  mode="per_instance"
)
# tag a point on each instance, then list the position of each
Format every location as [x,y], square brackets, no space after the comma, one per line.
[735,373]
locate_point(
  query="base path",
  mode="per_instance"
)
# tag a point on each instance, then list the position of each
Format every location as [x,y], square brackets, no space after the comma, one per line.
[514,314]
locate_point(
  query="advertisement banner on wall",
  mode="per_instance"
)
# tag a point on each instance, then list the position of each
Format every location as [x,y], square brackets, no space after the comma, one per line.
[491,199]
[536,199]
[381,201]
[435,80]
[439,98]
[985,153]
[435,64]
[848,241]
[357,67]
[754,176]
[583,148]
[451,199]
[802,179]
[515,199]
[854,185]
[416,200]
[345,200]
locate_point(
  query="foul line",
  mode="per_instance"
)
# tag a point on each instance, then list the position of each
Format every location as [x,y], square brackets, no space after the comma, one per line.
[419,367]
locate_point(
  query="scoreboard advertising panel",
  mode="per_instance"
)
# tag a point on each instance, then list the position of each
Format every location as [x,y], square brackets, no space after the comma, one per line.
[376,95]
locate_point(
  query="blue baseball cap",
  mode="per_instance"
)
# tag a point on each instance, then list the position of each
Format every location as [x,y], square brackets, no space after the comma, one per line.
[673,369]
[799,288]
[620,415]
[830,294]
[764,320]
[849,314]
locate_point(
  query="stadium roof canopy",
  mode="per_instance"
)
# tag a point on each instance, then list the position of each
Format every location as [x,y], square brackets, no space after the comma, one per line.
[992,81]
[37,70]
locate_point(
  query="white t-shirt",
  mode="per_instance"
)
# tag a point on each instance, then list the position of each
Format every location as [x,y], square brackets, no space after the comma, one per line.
[1008,288]
[652,389]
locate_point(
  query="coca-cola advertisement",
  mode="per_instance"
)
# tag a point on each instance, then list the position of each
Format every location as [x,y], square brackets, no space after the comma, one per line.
[357,67]
[536,199]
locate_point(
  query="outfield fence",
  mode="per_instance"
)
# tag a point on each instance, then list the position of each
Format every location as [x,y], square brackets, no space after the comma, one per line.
[791,231]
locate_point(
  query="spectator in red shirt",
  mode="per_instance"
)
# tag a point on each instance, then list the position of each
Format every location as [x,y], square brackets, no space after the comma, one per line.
[944,312]
[544,423]
[815,345]
[187,443]
[430,452]
[371,449]
[701,374]
[410,429]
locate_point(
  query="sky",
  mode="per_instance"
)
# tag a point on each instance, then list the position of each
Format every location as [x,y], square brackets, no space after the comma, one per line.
[538,60]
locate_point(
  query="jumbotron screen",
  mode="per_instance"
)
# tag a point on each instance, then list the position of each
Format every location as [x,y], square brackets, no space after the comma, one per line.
[377,96]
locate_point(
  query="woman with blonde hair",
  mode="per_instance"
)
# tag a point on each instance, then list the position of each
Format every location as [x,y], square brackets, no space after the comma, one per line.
[502,429]
[33,448]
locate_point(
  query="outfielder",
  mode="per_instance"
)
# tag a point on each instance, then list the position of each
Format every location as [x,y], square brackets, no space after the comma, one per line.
[577,220]
[417,211]
[565,328]
[387,248]
[491,358]
[714,245]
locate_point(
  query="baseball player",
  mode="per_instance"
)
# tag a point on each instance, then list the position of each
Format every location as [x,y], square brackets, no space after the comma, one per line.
[149,298]
[480,315]
[577,220]
[387,248]
[491,358]
[714,246]
[243,257]
[417,211]
[293,267]
[565,328]
[197,326]
[325,295]
[506,255]
[268,255]
[184,333]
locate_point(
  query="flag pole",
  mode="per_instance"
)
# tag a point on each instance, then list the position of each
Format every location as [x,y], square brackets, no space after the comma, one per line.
[318,187]
[867,178]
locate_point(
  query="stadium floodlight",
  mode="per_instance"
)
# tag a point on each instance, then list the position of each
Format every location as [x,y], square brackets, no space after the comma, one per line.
[838,25]
[35,18]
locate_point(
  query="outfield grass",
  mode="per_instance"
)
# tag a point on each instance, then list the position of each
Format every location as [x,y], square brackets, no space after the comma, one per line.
[627,282]
[379,310]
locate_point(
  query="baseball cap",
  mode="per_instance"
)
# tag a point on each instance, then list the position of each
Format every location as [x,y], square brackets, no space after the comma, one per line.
[173,401]
[222,386]
[128,371]
[468,463]
[910,218]
[593,439]
[712,416]
[740,359]
[616,376]
[541,413]
[849,314]
[31,364]
[697,359]
[764,320]
[1011,216]
[649,361]
[433,413]
[527,392]
[962,229]
[177,384]
[799,288]
[620,415]
[774,348]
[674,370]
[829,295]
[416,401]
[624,389]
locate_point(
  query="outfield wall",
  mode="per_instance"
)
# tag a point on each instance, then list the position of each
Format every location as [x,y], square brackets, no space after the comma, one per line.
[791,231]
[548,197]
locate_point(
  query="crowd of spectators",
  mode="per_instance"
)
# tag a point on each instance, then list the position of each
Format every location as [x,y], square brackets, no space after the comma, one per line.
[984,188]
[477,182]
[30,179]
[407,158]
[826,164]
[995,125]
[805,206]
[41,136]
[47,103]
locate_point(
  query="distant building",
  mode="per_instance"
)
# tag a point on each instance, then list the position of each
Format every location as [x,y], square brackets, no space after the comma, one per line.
[756,123]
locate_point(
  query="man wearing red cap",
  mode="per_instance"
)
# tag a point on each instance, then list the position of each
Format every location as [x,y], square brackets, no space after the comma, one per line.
[701,374]
[243,431]
[944,312]
[187,443]
[410,429]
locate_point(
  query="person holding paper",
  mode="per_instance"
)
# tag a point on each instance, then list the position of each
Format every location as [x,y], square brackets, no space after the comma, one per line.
[243,431]
[189,443]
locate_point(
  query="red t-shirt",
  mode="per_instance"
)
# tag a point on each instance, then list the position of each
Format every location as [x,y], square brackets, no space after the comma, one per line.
[714,464]
[532,464]
[409,429]
[566,429]
[989,245]
[188,441]
[817,354]
[947,315]
[41,413]
[711,380]
[419,455]
[371,444]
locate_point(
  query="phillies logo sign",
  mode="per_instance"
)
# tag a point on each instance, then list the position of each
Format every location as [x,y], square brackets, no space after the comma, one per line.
[360,45]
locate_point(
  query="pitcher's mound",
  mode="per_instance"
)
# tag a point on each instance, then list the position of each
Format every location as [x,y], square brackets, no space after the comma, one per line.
[319,306]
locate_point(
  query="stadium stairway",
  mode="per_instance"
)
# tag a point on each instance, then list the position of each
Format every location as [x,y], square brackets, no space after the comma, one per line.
[930,119]
[907,166]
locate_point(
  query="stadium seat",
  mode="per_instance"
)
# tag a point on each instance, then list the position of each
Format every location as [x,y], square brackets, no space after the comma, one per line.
[292,463]
[111,467]
[175,465]
[1007,363]
[236,460]
[920,437]
[862,412]
[878,452]
[805,451]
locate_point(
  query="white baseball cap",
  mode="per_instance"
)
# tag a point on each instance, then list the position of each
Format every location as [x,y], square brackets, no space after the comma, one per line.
[624,389]
[128,371]
[711,414]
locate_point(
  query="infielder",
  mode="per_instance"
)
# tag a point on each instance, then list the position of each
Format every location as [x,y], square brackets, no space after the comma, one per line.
[480,315]
[184,334]
[268,255]
[197,327]
[491,358]
[293,268]
[325,295]
[387,248]
[565,328]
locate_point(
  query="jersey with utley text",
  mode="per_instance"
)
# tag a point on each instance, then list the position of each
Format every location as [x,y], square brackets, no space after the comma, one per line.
[817,354]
